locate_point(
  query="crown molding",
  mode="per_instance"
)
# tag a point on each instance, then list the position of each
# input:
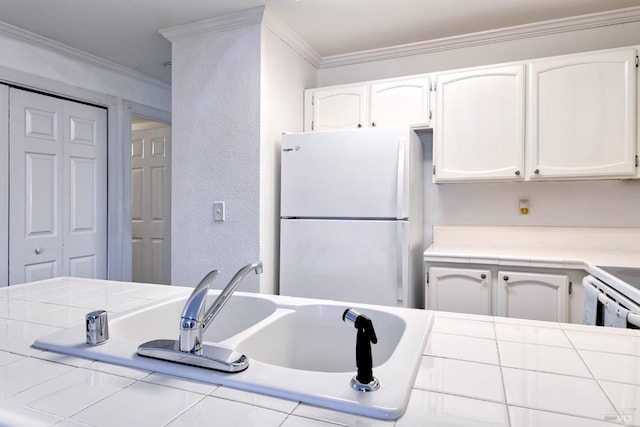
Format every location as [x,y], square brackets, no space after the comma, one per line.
[556,26]
[253,16]
[227,22]
[293,40]
[16,33]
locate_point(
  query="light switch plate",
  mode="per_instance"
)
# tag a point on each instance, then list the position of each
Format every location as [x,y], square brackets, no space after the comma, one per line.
[218,211]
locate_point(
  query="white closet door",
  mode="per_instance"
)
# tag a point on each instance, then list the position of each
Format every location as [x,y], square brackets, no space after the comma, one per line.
[84,191]
[4,185]
[35,234]
[151,205]
[57,205]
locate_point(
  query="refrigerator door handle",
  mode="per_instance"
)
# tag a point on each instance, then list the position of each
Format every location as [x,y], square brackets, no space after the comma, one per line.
[400,201]
[402,256]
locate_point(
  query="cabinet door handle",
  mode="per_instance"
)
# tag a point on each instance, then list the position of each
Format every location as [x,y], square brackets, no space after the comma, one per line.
[505,278]
[537,171]
[518,173]
[483,276]
[359,125]
[37,251]
[373,124]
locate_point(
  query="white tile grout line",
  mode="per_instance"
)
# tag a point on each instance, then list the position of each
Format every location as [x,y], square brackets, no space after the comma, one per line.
[504,389]
[615,407]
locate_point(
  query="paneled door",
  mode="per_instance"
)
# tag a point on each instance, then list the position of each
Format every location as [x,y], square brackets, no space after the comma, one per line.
[58,181]
[151,204]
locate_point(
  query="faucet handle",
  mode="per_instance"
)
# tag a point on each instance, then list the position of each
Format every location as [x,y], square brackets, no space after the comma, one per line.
[194,308]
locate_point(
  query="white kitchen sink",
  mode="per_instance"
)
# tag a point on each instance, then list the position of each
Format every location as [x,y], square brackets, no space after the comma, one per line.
[314,338]
[299,349]
[163,320]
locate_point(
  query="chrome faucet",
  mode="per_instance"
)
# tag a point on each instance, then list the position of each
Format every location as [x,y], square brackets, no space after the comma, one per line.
[195,320]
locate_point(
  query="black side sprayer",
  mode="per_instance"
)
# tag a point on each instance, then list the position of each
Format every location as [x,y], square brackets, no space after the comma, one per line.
[364,380]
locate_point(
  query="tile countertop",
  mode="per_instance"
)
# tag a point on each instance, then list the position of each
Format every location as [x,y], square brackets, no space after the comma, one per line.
[476,371]
[579,248]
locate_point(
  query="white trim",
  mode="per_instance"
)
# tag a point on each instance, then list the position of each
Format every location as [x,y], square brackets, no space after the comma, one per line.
[4,185]
[219,23]
[582,22]
[253,16]
[52,87]
[34,39]
[293,40]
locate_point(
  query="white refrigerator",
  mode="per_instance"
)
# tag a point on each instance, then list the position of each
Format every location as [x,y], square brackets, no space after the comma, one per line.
[351,225]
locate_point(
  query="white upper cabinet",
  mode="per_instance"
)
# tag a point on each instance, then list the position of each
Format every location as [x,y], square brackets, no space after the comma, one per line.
[479,124]
[380,103]
[581,116]
[566,117]
[401,101]
[343,107]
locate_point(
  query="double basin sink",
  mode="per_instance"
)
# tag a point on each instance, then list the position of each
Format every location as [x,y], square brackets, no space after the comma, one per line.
[299,349]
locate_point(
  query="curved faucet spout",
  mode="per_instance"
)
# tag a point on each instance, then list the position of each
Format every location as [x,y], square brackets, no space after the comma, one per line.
[194,320]
[228,291]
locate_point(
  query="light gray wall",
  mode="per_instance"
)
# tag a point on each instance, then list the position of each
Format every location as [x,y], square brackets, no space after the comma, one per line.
[216,154]
[21,58]
[284,76]
[234,93]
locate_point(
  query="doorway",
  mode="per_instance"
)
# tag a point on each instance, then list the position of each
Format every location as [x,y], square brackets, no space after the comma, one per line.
[150,201]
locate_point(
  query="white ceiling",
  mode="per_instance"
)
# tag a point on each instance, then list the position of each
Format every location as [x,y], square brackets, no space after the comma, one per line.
[126,31]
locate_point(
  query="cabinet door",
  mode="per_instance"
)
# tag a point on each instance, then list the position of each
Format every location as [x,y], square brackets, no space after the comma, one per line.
[400,102]
[533,296]
[461,290]
[479,125]
[581,116]
[344,107]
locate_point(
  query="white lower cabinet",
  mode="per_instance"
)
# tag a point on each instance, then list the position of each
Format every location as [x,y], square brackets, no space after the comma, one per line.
[533,296]
[490,291]
[459,290]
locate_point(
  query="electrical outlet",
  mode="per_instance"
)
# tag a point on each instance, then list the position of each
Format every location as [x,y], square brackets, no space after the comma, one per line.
[218,211]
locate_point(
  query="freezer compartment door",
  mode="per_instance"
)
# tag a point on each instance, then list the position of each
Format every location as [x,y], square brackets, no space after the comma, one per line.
[361,173]
[351,261]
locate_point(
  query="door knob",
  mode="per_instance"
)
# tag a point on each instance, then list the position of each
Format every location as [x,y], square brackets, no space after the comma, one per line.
[38,251]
